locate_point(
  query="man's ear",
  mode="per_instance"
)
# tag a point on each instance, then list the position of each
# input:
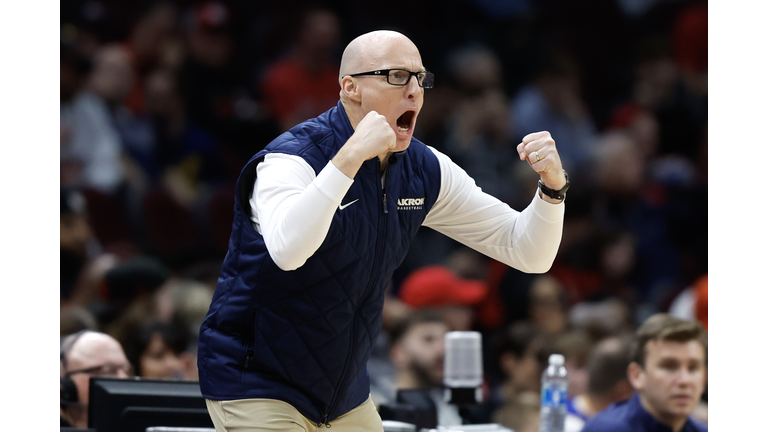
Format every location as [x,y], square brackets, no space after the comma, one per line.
[622,390]
[350,89]
[636,375]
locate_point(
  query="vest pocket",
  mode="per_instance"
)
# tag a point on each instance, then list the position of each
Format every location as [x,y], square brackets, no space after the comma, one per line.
[250,338]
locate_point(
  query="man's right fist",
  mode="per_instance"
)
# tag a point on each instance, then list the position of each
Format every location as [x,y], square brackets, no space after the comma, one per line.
[373,136]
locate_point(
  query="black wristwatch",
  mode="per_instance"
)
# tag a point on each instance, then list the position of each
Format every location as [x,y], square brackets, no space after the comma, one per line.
[556,194]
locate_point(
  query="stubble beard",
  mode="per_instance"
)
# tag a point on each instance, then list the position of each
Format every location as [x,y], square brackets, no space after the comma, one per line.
[425,375]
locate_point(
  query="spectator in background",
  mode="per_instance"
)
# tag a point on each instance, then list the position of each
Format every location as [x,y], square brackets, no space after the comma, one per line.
[575,345]
[477,132]
[381,370]
[145,293]
[215,87]
[621,166]
[522,353]
[668,373]
[659,87]
[83,266]
[617,263]
[607,380]
[667,120]
[601,319]
[640,124]
[511,360]
[76,240]
[438,288]
[180,156]
[553,102]
[154,42]
[548,305]
[184,302]
[131,295]
[159,350]
[417,349]
[516,296]
[637,258]
[74,68]
[305,82]
[91,148]
[84,355]
[127,291]
[207,75]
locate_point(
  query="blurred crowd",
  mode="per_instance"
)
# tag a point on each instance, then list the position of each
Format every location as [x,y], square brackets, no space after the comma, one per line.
[163,102]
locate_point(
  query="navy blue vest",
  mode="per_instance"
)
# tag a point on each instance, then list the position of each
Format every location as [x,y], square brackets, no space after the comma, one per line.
[305,336]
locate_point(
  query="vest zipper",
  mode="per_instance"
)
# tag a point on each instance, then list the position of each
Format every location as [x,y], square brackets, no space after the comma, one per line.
[384,189]
[371,284]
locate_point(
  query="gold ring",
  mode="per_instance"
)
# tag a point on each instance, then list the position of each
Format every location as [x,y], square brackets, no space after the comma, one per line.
[537,156]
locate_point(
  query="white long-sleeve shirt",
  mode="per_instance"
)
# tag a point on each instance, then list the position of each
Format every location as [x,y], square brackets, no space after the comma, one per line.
[286,192]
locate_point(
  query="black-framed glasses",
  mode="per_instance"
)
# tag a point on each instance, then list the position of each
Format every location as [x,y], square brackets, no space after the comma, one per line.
[104,370]
[401,77]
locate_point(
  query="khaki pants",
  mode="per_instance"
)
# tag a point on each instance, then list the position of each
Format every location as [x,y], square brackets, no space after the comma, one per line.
[255,415]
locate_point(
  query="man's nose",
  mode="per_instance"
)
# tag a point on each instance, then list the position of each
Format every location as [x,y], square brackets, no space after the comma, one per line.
[413,88]
[687,377]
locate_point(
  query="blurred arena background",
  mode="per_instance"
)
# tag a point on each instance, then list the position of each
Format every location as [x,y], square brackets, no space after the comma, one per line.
[163,102]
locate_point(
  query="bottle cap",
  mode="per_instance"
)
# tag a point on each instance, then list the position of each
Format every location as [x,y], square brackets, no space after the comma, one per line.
[556,359]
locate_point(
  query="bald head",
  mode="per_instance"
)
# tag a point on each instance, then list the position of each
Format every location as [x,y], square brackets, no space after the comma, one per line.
[363,94]
[93,350]
[370,51]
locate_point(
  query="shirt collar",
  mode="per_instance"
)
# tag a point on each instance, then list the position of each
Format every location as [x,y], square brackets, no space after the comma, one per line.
[342,128]
[649,422]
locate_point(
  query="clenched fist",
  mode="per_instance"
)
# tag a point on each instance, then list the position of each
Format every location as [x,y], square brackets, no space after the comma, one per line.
[373,137]
[539,150]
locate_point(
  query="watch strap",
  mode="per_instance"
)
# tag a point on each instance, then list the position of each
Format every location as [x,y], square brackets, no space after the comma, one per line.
[556,194]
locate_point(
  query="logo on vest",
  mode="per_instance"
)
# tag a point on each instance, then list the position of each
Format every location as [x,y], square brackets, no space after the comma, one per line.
[410,203]
[342,207]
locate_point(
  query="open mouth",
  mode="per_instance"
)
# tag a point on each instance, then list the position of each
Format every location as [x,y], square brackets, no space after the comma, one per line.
[405,121]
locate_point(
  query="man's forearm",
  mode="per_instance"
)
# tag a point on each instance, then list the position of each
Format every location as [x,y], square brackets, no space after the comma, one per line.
[294,209]
[527,241]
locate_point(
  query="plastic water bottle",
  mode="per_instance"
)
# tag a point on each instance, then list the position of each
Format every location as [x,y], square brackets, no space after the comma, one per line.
[554,391]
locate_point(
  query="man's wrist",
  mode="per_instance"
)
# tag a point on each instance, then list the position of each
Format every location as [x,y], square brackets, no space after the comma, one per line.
[554,182]
[555,194]
[347,161]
